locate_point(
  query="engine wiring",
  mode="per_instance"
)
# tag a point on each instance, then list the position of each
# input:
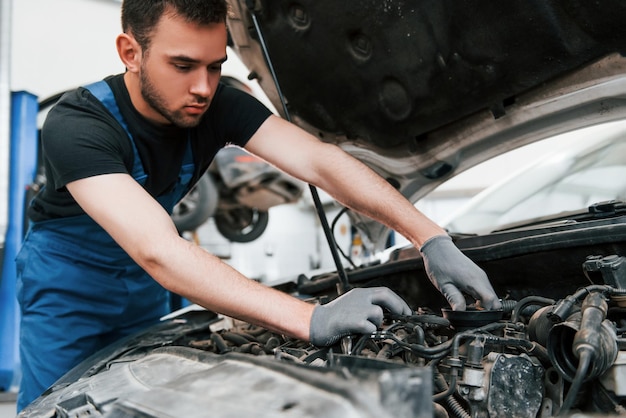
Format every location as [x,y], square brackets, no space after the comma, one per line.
[537,354]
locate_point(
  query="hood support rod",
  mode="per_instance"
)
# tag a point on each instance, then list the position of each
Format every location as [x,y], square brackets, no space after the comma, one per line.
[344,284]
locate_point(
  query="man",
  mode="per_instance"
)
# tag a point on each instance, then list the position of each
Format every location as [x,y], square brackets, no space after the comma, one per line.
[120,153]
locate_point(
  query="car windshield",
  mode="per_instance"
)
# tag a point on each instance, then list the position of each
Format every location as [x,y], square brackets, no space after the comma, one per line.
[574,171]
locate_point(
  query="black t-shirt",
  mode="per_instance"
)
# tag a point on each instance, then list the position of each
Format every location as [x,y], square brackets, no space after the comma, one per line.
[80,139]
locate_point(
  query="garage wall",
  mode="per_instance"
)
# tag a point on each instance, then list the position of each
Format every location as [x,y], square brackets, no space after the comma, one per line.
[55,45]
[58,44]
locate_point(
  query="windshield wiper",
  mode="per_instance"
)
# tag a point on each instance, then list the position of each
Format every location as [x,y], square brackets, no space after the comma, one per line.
[605,209]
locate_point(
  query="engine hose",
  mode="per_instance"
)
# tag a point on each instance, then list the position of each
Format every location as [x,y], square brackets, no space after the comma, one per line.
[540,352]
[235,338]
[251,348]
[581,372]
[281,355]
[427,320]
[564,307]
[429,353]
[360,345]
[604,289]
[439,411]
[478,332]
[419,334]
[508,305]
[446,396]
[384,352]
[456,408]
[441,350]
[332,230]
[530,300]
[271,344]
[256,332]
[219,343]
[248,336]
[441,385]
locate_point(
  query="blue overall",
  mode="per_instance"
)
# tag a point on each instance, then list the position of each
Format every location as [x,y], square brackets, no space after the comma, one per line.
[78,290]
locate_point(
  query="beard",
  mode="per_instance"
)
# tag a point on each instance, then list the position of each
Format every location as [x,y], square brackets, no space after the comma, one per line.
[154,98]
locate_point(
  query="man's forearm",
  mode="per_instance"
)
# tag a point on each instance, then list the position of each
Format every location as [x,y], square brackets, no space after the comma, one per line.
[361,189]
[204,279]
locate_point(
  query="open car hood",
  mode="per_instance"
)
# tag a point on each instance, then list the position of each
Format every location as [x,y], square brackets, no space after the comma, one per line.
[422,91]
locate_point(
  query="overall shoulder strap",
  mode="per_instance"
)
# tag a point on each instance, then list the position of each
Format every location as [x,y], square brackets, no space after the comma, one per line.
[102,91]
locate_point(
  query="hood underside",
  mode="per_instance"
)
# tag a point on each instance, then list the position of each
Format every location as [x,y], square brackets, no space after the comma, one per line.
[390,72]
[421,91]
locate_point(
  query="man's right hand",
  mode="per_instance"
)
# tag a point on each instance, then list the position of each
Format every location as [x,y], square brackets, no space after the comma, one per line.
[359,311]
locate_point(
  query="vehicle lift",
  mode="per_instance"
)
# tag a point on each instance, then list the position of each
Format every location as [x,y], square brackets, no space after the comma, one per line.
[23,154]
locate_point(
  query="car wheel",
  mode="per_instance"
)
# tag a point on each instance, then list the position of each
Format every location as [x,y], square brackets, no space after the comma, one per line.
[197,206]
[241,224]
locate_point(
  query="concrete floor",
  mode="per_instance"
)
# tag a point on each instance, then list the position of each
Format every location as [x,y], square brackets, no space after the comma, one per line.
[7,405]
[7,410]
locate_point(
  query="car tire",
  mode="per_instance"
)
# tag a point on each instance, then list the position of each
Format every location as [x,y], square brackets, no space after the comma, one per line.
[197,206]
[241,224]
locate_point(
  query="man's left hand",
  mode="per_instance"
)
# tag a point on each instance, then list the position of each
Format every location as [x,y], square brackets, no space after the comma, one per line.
[452,272]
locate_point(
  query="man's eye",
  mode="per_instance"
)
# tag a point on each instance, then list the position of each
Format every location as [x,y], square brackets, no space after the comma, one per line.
[182,67]
[215,68]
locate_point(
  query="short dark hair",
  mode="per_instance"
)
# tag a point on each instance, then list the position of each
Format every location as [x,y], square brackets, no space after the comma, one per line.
[139,17]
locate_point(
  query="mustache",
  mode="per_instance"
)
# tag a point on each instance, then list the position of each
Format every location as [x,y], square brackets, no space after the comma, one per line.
[199,101]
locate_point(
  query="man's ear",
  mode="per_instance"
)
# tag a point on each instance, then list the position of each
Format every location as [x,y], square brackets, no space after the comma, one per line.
[129,51]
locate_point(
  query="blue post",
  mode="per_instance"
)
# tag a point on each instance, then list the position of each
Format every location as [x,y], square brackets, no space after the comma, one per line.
[22,171]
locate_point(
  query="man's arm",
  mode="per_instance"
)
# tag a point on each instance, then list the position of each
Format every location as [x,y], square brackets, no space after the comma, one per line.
[343,177]
[356,186]
[146,232]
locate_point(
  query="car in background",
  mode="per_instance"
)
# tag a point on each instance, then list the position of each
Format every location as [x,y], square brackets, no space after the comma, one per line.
[421,92]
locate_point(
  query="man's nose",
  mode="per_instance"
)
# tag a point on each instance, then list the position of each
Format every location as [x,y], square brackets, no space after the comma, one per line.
[201,85]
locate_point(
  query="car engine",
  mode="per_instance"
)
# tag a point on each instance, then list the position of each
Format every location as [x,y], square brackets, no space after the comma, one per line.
[537,357]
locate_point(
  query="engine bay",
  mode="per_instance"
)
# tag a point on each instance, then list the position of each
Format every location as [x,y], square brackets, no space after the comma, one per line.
[538,357]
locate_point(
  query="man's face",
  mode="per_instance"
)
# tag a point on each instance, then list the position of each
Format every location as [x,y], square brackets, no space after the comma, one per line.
[180,71]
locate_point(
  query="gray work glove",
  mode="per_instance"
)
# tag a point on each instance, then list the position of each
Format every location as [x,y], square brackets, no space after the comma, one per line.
[359,311]
[452,273]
